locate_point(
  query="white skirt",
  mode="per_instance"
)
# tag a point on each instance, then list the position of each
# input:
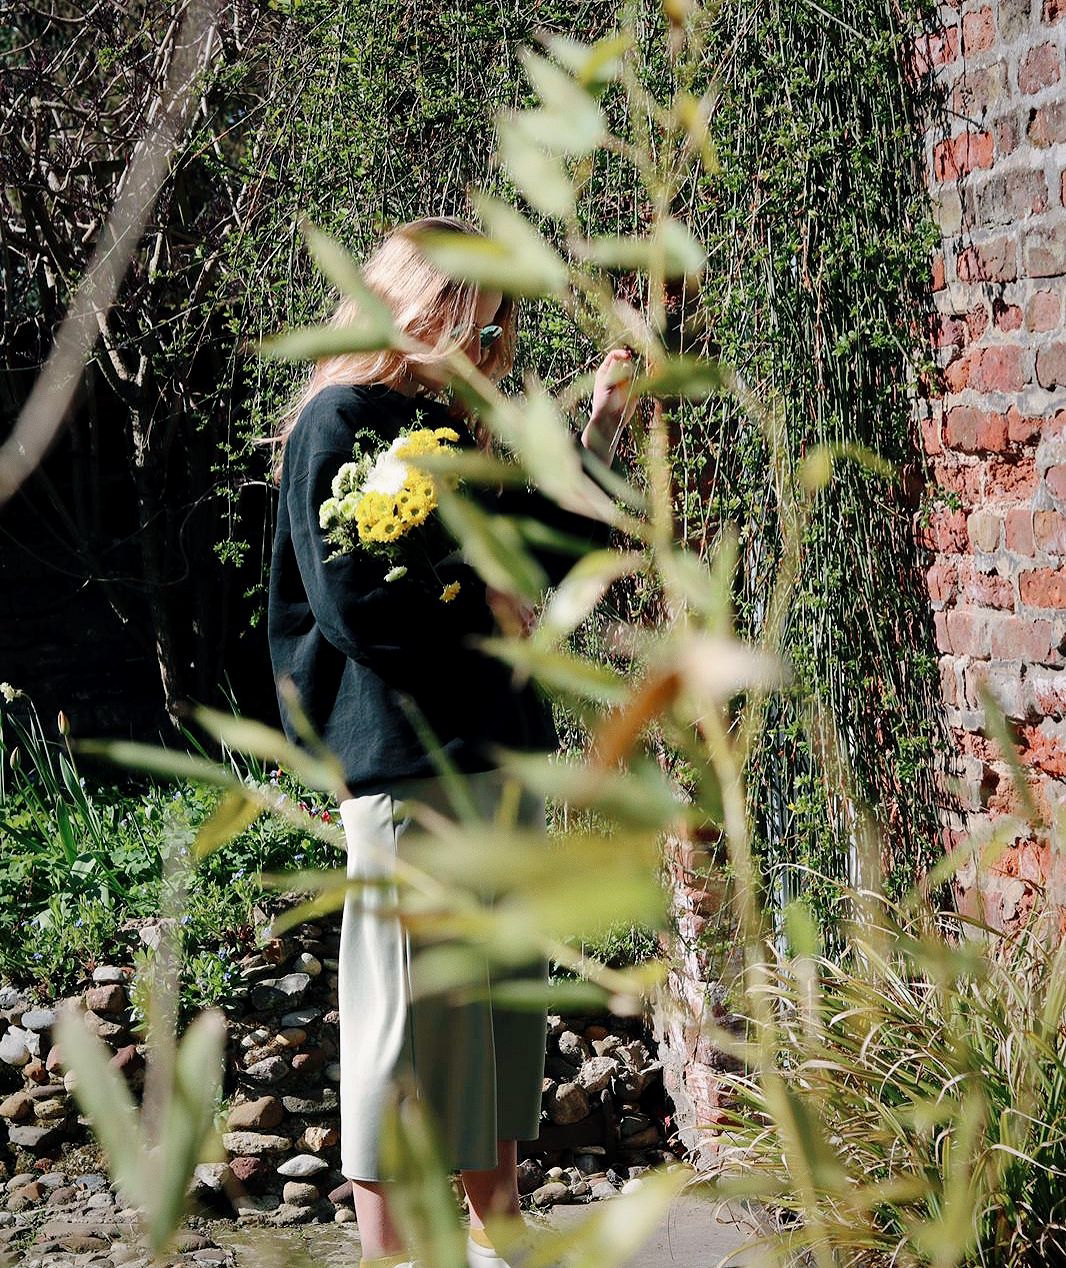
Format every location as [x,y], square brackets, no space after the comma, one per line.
[478,1066]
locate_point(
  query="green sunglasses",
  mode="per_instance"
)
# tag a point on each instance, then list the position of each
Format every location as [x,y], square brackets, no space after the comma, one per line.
[487,335]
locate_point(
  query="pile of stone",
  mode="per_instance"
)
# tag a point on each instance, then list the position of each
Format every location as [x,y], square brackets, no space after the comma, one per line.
[604,1120]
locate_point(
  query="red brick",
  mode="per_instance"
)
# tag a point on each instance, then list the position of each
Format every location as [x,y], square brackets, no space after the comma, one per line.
[977,320]
[1043,751]
[978,31]
[1049,694]
[1044,252]
[967,632]
[995,261]
[1001,368]
[1005,682]
[1049,532]
[984,589]
[1013,477]
[956,375]
[1040,68]
[1056,481]
[1021,429]
[946,531]
[983,530]
[1008,134]
[940,631]
[1020,638]
[930,429]
[1008,316]
[974,430]
[1018,531]
[937,267]
[978,88]
[942,581]
[1048,124]
[960,154]
[949,685]
[1051,366]
[1026,193]
[1043,587]
[1062,189]
[949,331]
[1043,311]
[936,49]
[1054,10]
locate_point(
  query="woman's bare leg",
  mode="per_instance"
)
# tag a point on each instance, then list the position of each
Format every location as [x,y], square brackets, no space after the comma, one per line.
[494,1191]
[377,1233]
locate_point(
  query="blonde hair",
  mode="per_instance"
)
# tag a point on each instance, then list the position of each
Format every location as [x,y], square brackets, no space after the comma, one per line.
[426,305]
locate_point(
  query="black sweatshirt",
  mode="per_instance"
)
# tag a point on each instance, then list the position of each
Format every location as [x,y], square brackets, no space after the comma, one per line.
[355,645]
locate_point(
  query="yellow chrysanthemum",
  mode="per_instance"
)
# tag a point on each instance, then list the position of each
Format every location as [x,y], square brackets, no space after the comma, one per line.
[449,592]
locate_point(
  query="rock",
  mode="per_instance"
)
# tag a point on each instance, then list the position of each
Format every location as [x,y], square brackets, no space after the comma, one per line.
[596,1073]
[587,1162]
[549,1194]
[14,1049]
[297,1193]
[316,1139]
[246,1204]
[105,999]
[65,1193]
[210,1177]
[631,1185]
[301,1017]
[39,1019]
[309,1062]
[266,1111]
[307,963]
[342,1193]
[301,1166]
[55,1107]
[333,1072]
[53,1179]
[91,1181]
[35,1138]
[631,1124]
[185,1241]
[10,999]
[18,1107]
[17,1181]
[567,1103]
[128,1060]
[252,1173]
[343,1215]
[643,1139]
[270,1071]
[255,1038]
[292,1036]
[287,1214]
[278,992]
[254,1144]
[112,1032]
[573,1048]
[327,1102]
[602,1190]
[109,974]
[530,1175]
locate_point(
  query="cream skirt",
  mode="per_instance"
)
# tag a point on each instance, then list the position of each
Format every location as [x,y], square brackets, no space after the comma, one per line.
[478,1066]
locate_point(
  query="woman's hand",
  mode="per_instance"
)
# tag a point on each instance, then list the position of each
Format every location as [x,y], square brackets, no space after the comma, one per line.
[613,403]
[514,616]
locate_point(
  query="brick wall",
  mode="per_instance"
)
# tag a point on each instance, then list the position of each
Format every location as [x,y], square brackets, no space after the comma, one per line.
[994,426]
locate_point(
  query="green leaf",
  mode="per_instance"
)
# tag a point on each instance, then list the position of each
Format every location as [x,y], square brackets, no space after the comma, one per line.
[105,1100]
[493,546]
[571,121]
[693,377]
[234,813]
[572,674]
[581,589]
[512,258]
[245,735]
[187,1123]
[540,176]
[159,761]
[592,64]
[311,343]
[348,278]
[671,249]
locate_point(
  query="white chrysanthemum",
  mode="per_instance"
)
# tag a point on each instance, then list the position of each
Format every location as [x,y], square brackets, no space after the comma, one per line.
[389,472]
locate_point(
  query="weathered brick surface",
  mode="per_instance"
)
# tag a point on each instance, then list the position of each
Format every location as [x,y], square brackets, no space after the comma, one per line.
[993,424]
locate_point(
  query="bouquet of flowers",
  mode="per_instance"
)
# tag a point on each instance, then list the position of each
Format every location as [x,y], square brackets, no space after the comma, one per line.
[378,498]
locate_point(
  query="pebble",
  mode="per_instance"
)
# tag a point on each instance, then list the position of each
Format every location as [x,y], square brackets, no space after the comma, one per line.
[271,1070]
[301,1166]
[14,1049]
[107,974]
[301,1017]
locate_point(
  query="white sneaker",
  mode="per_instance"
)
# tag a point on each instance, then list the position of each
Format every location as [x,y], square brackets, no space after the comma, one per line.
[478,1256]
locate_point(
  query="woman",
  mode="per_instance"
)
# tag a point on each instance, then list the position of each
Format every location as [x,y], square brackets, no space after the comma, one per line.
[357,646]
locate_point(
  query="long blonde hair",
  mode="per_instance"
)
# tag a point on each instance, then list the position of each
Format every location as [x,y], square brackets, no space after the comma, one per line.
[419,295]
